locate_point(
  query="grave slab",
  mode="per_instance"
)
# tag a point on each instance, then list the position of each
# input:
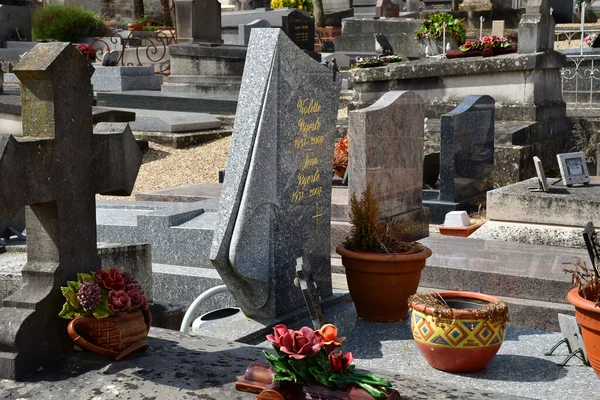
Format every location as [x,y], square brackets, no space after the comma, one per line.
[120,79]
[556,218]
[205,367]
[171,121]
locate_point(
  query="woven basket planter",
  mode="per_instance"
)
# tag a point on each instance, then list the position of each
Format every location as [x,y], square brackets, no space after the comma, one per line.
[116,337]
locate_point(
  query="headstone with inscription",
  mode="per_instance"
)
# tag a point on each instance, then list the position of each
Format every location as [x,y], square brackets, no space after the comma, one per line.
[387,152]
[466,156]
[276,198]
[300,28]
[66,166]
[498,28]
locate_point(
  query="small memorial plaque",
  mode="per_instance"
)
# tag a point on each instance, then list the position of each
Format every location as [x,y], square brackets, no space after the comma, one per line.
[573,168]
[540,174]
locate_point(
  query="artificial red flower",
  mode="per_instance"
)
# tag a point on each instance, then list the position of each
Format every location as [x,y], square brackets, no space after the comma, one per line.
[118,301]
[329,333]
[111,280]
[138,300]
[301,344]
[340,364]
[279,331]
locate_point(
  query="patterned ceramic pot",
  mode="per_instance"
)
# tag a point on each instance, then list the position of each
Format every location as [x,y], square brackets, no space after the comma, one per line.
[462,339]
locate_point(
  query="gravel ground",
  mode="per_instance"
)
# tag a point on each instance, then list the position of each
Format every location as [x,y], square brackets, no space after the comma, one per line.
[165,167]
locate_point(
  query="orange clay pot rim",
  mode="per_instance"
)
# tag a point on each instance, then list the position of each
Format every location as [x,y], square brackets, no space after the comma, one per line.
[574,297]
[457,312]
[368,256]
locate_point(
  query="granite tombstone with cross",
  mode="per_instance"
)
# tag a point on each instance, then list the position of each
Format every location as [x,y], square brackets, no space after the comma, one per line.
[55,170]
[276,198]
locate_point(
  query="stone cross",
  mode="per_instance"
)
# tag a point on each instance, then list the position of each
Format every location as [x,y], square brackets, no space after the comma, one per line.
[536,29]
[55,169]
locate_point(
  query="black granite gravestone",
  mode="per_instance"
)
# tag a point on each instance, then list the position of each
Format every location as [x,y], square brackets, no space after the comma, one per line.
[466,157]
[301,29]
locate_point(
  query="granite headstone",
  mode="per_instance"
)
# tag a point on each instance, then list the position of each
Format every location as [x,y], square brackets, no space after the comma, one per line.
[467,149]
[300,28]
[244,30]
[66,166]
[387,152]
[276,198]
[198,21]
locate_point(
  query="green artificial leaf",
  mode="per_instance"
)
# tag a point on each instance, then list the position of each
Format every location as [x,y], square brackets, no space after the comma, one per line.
[300,367]
[81,277]
[102,311]
[71,297]
[277,363]
[283,377]
[376,393]
[321,377]
[74,286]
[67,311]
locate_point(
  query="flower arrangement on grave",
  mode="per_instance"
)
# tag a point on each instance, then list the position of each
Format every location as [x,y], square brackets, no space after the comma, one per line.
[107,304]
[305,5]
[590,39]
[87,50]
[433,28]
[486,42]
[102,294]
[368,62]
[340,156]
[308,355]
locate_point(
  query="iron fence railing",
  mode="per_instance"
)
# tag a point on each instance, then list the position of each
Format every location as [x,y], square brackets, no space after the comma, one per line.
[580,79]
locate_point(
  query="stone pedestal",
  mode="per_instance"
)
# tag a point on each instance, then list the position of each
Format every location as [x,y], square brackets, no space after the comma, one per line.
[536,29]
[215,70]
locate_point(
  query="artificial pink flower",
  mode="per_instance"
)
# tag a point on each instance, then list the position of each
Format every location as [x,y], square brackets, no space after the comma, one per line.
[118,301]
[301,344]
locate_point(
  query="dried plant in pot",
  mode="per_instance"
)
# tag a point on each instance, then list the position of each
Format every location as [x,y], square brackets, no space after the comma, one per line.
[586,299]
[382,270]
[109,313]
[458,331]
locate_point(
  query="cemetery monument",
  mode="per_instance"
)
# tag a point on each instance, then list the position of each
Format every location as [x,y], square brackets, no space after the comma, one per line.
[66,166]
[276,198]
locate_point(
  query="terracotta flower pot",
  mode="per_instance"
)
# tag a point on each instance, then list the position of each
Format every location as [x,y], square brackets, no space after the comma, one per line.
[380,284]
[117,336]
[460,231]
[465,341]
[588,316]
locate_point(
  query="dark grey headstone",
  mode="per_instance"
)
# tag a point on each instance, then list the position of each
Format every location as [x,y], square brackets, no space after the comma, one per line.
[467,149]
[65,166]
[299,28]
[276,198]
[198,21]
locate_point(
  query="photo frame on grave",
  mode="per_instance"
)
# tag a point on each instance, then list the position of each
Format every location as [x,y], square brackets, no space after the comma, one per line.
[541,175]
[573,168]
[590,239]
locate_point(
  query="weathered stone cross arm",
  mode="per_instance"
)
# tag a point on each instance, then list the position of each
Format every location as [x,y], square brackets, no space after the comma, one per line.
[28,168]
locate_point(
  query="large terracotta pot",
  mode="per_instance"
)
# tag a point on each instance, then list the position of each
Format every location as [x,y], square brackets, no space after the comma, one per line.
[117,336]
[380,284]
[466,341]
[588,316]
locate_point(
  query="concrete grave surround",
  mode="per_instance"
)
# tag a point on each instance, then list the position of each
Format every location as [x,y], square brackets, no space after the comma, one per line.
[198,21]
[387,152]
[276,198]
[66,166]
[171,121]
[119,79]
[556,218]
